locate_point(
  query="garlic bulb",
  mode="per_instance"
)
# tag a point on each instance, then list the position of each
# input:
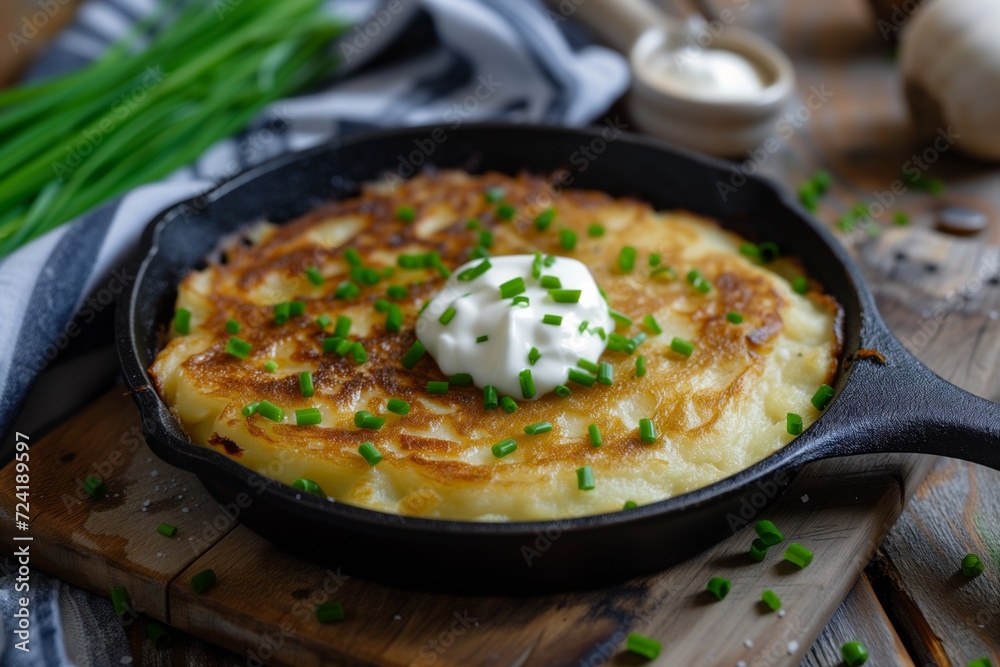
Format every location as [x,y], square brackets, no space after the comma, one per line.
[949,53]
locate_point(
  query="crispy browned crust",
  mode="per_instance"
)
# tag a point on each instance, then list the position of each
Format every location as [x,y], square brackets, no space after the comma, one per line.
[681,409]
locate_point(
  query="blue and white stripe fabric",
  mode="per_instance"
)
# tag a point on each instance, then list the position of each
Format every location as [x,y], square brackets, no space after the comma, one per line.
[406,62]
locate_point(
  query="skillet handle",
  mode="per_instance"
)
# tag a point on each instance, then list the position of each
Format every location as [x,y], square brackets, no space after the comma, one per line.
[904,407]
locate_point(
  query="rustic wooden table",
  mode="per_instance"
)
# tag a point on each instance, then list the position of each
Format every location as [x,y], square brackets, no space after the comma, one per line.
[909,602]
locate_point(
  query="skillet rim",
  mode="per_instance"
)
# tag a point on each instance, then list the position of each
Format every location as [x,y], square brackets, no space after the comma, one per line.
[221,469]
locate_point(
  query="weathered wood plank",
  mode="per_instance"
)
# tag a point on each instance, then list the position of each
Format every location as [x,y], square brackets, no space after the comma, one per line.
[98,544]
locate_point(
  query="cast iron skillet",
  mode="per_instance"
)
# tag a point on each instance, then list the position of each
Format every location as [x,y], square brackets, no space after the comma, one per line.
[900,406]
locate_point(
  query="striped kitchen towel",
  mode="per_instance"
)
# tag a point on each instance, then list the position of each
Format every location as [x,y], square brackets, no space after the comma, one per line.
[406,62]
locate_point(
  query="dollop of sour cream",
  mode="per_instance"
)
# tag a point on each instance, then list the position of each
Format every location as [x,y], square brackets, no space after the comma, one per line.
[456,338]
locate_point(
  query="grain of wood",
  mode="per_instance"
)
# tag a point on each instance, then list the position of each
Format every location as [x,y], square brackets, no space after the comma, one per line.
[98,544]
[26,26]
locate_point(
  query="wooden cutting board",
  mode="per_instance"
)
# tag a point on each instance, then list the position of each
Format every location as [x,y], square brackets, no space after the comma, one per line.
[262,606]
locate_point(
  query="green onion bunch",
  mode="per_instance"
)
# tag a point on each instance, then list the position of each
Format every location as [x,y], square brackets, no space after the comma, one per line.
[141,111]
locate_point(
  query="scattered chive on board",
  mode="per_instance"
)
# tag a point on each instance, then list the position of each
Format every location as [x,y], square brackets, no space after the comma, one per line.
[202,581]
[758,550]
[972,566]
[166,530]
[328,612]
[158,635]
[768,533]
[854,653]
[771,599]
[119,600]
[799,555]
[95,488]
[643,646]
[719,587]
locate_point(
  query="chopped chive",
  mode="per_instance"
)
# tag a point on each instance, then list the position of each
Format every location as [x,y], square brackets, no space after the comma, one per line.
[565,295]
[681,346]
[606,374]
[505,211]
[474,272]
[562,391]
[772,601]
[508,405]
[735,318]
[329,612]
[437,387]
[635,342]
[282,311]
[314,276]
[544,219]
[719,587]
[202,581]
[365,419]
[413,261]
[630,505]
[536,266]
[486,239]
[538,429]
[483,338]
[640,366]
[296,308]
[758,550]
[583,326]
[250,408]
[158,635]
[166,530]
[581,378]
[626,259]
[460,380]
[347,290]
[527,383]
[413,355]
[503,448]
[479,252]
[119,600]
[972,566]
[448,315]
[552,319]
[238,347]
[585,478]
[647,430]
[793,423]
[182,321]
[95,488]
[617,342]
[396,292]
[436,263]
[232,326]
[352,257]
[808,196]
[343,347]
[644,646]
[768,533]
[981,662]
[512,288]
[382,305]
[595,435]
[549,261]
[800,285]
[493,195]
[901,219]
[271,366]
[798,554]
[308,486]
[750,250]
[587,365]
[358,353]
[370,454]
[308,417]
[424,307]
[398,406]
[822,397]
[271,411]
[518,300]
[306,383]
[551,283]
[854,653]
[406,213]
[534,355]
[595,230]
[698,281]
[652,325]
[655,259]
[768,251]
[621,319]
[324,321]
[664,271]
[394,319]
[821,180]
[490,401]
[567,239]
